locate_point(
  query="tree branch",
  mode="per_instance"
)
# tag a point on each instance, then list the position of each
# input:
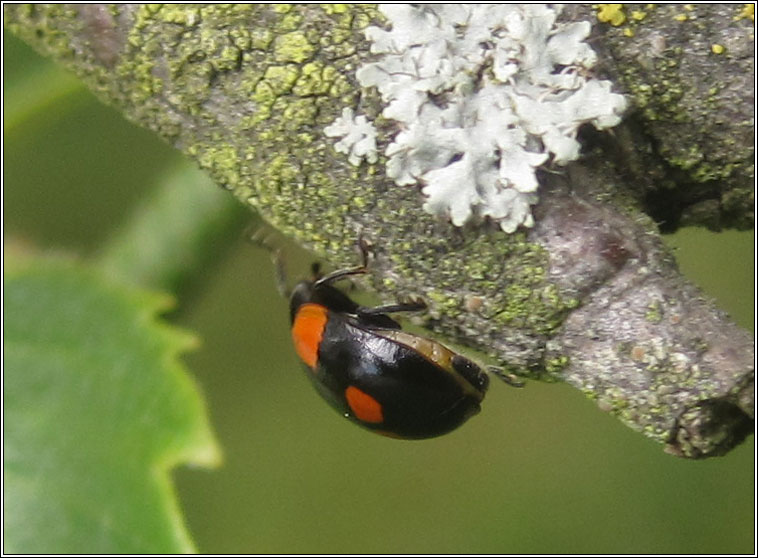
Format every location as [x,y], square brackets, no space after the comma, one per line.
[589,295]
[688,147]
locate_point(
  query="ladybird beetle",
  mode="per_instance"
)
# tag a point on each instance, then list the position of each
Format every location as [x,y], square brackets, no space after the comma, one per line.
[390,381]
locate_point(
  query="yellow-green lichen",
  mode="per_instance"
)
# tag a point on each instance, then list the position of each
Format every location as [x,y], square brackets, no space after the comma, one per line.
[176,14]
[293,47]
[364,18]
[222,161]
[265,144]
[747,12]
[296,112]
[261,38]
[659,97]
[315,78]
[611,13]
[638,15]
[554,366]
[335,8]
[654,313]
[280,80]
[614,15]
[517,307]
[291,21]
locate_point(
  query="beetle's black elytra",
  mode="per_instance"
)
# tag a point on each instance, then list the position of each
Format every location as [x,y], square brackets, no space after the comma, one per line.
[363,364]
[390,381]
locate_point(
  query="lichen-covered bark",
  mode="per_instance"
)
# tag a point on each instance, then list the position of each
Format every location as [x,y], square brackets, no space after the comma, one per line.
[589,295]
[689,70]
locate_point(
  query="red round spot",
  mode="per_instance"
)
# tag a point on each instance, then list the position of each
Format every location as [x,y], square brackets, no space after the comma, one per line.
[365,407]
[307,331]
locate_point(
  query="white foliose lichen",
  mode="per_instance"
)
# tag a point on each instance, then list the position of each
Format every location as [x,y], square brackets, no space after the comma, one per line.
[483,95]
[358,137]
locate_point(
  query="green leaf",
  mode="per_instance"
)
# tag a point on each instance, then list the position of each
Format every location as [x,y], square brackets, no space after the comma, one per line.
[174,231]
[97,411]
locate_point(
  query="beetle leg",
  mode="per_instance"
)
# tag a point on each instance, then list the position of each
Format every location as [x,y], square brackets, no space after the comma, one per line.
[365,247]
[281,274]
[409,306]
[260,238]
[508,378]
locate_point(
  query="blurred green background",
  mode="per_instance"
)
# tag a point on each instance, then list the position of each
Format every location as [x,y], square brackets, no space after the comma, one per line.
[540,470]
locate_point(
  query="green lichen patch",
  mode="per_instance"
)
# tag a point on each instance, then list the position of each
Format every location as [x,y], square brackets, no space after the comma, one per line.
[247,90]
[554,366]
[293,47]
[687,70]
[654,313]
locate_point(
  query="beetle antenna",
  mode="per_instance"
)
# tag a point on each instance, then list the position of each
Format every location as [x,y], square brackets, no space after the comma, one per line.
[364,247]
[339,274]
